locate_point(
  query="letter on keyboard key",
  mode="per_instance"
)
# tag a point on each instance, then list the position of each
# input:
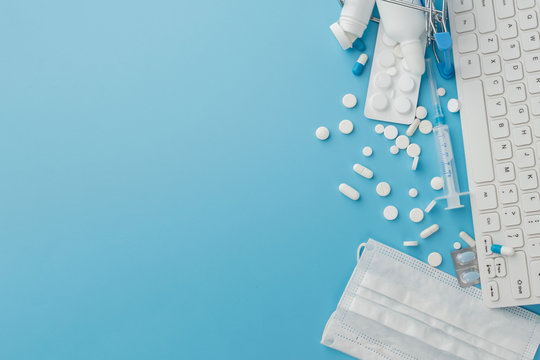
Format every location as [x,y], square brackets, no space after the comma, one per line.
[522,136]
[504,8]
[519,114]
[531,202]
[487,198]
[489,222]
[534,84]
[505,172]
[519,279]
[496,107]
[486,15]
[516,92]
[508,29]
[532,62]
[528,180]
[511,216]
[494,85]
[513,238]
[535,277]
[514,71]
[508,194]
[532,224]
[470,66]
[528,20]
[530,40]
[474,123]
[464,23]
[491,64]
[502,150]
[489,43]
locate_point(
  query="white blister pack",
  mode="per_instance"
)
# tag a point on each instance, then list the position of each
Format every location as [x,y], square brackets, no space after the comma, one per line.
[393,91]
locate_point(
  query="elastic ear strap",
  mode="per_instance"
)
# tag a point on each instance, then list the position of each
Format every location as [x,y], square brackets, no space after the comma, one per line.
[359,251]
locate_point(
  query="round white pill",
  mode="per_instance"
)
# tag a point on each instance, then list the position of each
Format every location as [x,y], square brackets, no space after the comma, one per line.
[383,189]
[414,150]
[367,151]
[413,192]
[390,132]
[392,71]
[457,245]
[410,243]
[394,150]
[406,84]
[402,142]
[434,259]
[383,80]
[349,101]
[379,102]
[390,212]
[425,127]
[421,112]
[349,191]
[416,215]
[322,133]
[397,52]
[437,183]
[441,91]
[453,105]
[346,126]
[402,105]
[379,128]
[387,59]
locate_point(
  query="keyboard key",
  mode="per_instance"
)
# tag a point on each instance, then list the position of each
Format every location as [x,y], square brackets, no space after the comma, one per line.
[502,150]
[535,105]
[470,66]
[486,243]
[513,238]
[489,222]
[505,172]
[504,8]
[511,216]
[499,128]
[486,15]
[496,107]
[494,85]
[510,50]
[508,194]
[535,276]
[525,158]
[493,291]
[462,5]
[500,267]
[532,225]
[519,114]
[514,71]
[531,202]
[519,280]
[467,43]
[524,4]
[533,247]
[532,62]
[530,40]
[489,267]
[507,29]
[491,64]
[536,127]
[487,198]
[528,180]
[516,93]
[489,43]
[522,136]
[465,23]
[528,20]
[533,83]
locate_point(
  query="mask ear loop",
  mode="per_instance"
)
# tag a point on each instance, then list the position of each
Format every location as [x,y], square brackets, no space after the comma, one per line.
[359,251]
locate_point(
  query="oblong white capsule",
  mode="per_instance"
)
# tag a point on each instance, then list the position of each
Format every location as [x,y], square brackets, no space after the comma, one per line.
[363,171]
[412,128]
[349,191]
[467,238]
[429,231]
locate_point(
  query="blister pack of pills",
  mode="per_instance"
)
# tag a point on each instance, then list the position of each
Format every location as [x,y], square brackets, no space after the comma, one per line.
[393,91]
[466,265]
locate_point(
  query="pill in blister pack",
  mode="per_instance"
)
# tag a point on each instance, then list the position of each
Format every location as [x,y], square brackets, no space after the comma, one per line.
[466,265]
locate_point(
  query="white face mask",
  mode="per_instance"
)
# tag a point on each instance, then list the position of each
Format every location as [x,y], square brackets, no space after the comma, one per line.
[397,307]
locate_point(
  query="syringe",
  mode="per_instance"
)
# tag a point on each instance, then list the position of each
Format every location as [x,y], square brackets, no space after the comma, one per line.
[444,147]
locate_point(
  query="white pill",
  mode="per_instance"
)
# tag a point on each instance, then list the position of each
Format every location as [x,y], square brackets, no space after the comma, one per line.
[379,128]
[421,112]
[402,105]
[441,91]
[413,192]
[434,259]
[416,215]
[383,189]
[453,105]
[467,238]
[414,163]
[414,150]
[405,65]
[392,71]
[397,52]
[322,133]
[406,84]
[394,150]
[402,142]
[390,212]
[363,171]
[349,191]
[457,245]
[429,231]
[367,151]
[412,128]
[379,102]
[410,243]
[387,59]
[387,41]
[390,132]
[425,127]
[349,101]
[346,126]
[430,206]
[437,183]
[383,81]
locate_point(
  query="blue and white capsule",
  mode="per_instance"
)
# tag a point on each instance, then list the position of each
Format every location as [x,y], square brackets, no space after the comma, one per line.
[503,250]
[360,64]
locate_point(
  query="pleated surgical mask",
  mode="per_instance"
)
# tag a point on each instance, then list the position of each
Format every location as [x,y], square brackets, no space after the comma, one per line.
[397,307]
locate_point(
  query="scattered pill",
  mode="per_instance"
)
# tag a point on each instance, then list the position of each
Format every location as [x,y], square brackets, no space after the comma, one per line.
[390,132]
[346,126]
[383,189]
[414,150]
[383,81]
[322,133]
[413,192]
[434,259]
[367,151]
[453,105]
[363,171]
[392,71]
[429,231]
[349,191]
[397,51]
[394,150]
[402,141]
[457,245]
[379,101]
[390,212]
[441,91]
[465,256]
[358,67]
[437,183]
[349,101]
[379,128]
[426,127]
[430,206]
[412,128]
[410,243]
[416,215]
[406,83]
[421,112]
[415,163]
[503,250]
[467,238]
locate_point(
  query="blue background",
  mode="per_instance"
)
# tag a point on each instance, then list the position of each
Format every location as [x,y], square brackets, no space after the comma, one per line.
[162,192]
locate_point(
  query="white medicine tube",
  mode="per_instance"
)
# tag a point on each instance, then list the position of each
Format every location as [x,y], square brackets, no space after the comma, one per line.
[353,21]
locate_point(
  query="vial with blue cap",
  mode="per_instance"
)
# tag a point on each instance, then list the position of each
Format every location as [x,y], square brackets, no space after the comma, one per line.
[359,65]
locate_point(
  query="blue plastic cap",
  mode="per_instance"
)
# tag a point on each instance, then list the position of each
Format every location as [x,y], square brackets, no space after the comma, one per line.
[359,44]
[496,248]
[357,69]
[446,70]
[443,41]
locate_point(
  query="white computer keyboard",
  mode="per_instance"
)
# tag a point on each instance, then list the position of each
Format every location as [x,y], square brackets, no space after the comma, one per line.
[497,61]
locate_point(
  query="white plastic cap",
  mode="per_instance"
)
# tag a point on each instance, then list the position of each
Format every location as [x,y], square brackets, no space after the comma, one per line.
[345,40]
[413,53]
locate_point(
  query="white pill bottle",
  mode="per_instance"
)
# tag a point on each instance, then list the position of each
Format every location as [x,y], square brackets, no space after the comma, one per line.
[407,26]
[353,21]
